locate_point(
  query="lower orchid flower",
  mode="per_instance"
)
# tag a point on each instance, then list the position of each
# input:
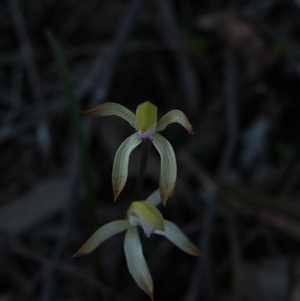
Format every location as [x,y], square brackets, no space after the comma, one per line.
[147,216]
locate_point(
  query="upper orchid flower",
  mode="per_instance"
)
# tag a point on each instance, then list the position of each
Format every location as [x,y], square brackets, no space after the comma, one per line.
[147,127]
[147,216]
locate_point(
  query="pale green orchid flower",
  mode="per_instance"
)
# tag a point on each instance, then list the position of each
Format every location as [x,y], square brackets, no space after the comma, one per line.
[147,127]
[147,216]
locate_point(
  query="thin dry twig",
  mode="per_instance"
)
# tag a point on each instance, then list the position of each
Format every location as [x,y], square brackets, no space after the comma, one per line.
[11,247]
[67,226]
[202,279]
[104,67]
[42,128]
[173,35]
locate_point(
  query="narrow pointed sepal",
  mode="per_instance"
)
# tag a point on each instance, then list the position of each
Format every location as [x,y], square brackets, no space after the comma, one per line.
[102,234]
[136,262]
[112,108]
[174,116]
[120,166]
[154,198]
[178,238]
[168,166]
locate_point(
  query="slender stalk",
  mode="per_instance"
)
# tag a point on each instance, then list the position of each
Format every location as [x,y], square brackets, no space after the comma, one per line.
[86,166]
[78,129]
[142,169]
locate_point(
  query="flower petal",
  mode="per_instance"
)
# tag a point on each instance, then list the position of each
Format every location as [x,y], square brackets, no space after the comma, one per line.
[168,166]
[112,108]
[178,238]
[154,198]
[142,213]
[136,262]
[102,234]
[120,167]
[174,116]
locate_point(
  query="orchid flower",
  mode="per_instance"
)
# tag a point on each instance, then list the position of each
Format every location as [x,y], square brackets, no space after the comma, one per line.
[147,128]
[147,216]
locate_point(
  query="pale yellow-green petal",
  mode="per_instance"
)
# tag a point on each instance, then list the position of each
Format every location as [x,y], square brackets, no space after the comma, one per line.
[168,166]
[178,238]
[112,108]
[154,198]
[136,262]
[120,166]
[102,234]
[142,213]
[146,120]
[174,116]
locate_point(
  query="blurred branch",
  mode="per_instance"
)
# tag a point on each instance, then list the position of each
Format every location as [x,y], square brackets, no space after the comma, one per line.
[104,67]
[258,8]
[11,247]
[276,219]
[292,182]
[254,204]
[77,125]
[202,278]
[235,255]
[173,35]
[42,128]
[67,226]
[282,205]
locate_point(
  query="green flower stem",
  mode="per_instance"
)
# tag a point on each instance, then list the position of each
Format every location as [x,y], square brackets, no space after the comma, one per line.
[77,124]
[142,169]
[80,139]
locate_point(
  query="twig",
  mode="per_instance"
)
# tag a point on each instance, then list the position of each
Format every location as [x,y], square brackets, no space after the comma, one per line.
[172,36]
[235,255]
[104,67]
[17,80]
[42,128]
[75,21]
[94,49]
[258,8]
[202,177]
[293,181]
[269,210]
[84,158]
[85,161]
[68,216]
[283,205]
[276,219]
[202,278]
[10,129]
[9,247]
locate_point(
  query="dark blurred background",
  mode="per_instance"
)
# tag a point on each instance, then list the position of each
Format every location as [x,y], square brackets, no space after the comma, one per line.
[232,66]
